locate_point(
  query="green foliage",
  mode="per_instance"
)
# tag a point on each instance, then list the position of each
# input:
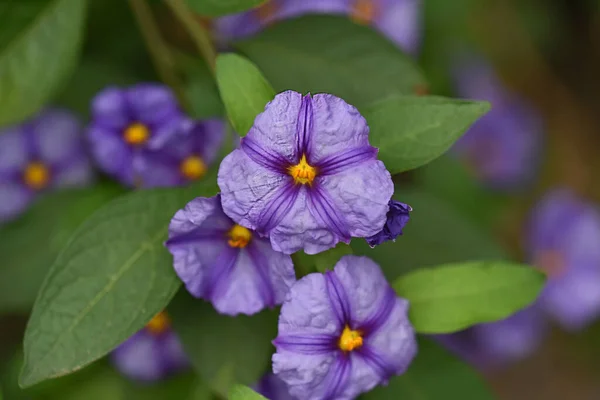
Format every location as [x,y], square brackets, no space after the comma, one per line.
[218,8]
[436,234]
[411,131]
[39,44]
[224,350]
[326,260]
[239,392]
[244,90]
[202,91]
[453,297]
[434,374]
[333,55]
[113,277]
[30,244]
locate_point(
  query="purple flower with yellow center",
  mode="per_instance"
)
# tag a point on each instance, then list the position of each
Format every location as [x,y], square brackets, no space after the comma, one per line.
[397,217]
[225,263]
[502,148]
[563,237]
[399,20]
[306,176]
[152,354]
[342,333]
[127,124]
[46,152]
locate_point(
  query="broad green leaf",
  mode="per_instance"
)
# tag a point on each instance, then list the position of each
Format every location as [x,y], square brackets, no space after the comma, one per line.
[224,350]
[112,278]
[239,392]
[331,54]
[453,297]
[30,244]
[244,90]
[433,375]
[39,45]
[218,8]
[436,234]
[411,131]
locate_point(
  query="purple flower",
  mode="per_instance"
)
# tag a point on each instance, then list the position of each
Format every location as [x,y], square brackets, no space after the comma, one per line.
[497,344]
[127,123]
[306,175]
[185,157]
[273,388]
[46,152]
[342,333]
[151,354]
[503,147]
[563,237]
[399,20]
[226,263]
[397,217]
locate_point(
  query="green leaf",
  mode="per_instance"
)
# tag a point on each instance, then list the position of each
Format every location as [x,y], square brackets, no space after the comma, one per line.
[244,90]
[112,278]
[202,91]
[39,45]
[436,234]
[218,8]
[30,244]
[331,54]
[239,392]
[224,350]
[433,375]
[411,131]
[453,297]
[325,260]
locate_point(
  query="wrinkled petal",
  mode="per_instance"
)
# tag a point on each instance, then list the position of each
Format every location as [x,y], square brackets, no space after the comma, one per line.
[14,199]
[13,150]
[397,217]
[59,136]
[111,153]
[111,107]
[401,22]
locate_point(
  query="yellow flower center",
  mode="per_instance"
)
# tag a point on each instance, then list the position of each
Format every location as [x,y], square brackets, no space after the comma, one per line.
[36,175]
[136,134]
[159,324]
[363,11]
[193,167]
[302,172]
[239,236]
[350,339]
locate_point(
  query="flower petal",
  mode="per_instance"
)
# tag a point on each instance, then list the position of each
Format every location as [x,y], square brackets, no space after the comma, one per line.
[110,107]
[14,199]
[13,149]
[140,358]
[76,172]
[400,21]
[347,159]
[325,211]
[111,153]
[158,169]
[59,136]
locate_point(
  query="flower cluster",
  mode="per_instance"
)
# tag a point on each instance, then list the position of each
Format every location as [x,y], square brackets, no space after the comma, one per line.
[562,237]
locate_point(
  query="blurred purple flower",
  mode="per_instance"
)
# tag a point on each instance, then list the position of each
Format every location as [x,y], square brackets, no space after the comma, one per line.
[273,388]
[397,217]
[503,147]
[564,241]
[46,152]
[306,175]
[399,20]
[226,263]
[152,354]
[342,333]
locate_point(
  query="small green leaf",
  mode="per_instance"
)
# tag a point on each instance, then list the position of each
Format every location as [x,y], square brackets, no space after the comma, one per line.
[224,350]
[30,244]
[112,278]
[411,131]
[433,375]
[331,54]
[436,234]
[244,90]
[39,45]
[453,297]
[240,392]
[218,8]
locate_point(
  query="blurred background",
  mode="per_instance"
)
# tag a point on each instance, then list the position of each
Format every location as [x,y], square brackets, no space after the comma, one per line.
[536,61]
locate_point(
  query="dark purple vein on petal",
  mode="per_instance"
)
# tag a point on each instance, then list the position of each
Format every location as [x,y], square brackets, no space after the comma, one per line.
[261,265]
[277,208]
[265,158]
[350,158]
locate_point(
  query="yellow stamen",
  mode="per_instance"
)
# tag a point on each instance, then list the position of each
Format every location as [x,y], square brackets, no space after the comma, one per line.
[136,134]
[193,167]
[36,176]
[363,11]
[350,339]
[159,324]
[302,172]
[239,236]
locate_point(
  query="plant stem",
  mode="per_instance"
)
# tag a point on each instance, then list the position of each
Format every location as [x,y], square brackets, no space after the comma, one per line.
[159,51]
[196,31]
